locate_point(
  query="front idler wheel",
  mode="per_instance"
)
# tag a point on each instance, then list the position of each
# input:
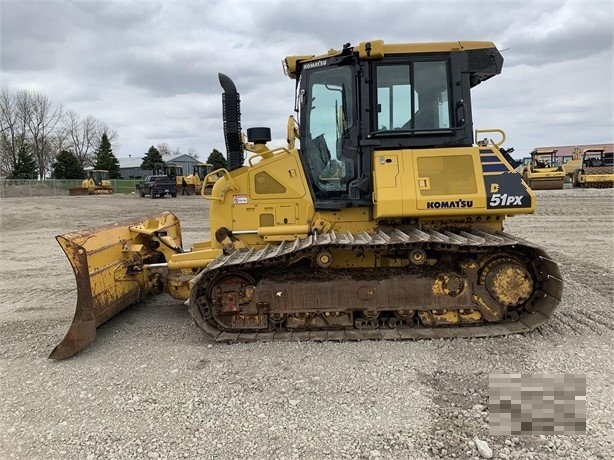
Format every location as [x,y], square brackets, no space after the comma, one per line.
[508,281]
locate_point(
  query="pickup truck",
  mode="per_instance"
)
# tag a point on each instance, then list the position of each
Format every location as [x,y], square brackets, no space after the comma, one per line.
[157,186]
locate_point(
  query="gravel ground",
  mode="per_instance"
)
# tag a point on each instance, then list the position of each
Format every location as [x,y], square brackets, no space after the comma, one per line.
[152,386]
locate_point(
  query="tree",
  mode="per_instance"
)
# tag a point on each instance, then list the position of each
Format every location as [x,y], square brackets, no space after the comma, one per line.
[67,166]
[31,119]
[14,114]
[102,127]
[43,117]
[217,159]
[164,149]
[105,158]
[192,153]
[82,135]
[25,167]
[151,158]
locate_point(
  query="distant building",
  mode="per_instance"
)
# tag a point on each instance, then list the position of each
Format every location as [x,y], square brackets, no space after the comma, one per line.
[185,162]
[130,168]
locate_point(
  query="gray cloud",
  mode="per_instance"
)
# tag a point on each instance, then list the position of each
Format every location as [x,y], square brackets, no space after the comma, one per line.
[149,69]
[575,31]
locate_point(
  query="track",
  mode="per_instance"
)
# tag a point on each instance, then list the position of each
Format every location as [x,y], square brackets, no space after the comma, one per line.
[281,268]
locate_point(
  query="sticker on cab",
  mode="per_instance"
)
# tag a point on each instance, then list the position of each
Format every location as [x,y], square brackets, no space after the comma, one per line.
[239,199]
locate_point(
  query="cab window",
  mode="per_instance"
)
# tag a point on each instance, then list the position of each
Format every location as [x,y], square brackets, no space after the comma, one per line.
[329,103]
[413,96]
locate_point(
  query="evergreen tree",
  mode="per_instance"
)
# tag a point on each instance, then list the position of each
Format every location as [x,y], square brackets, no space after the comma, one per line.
[105,158]
[25,168]
[151,158]
[67,166]
[217,159]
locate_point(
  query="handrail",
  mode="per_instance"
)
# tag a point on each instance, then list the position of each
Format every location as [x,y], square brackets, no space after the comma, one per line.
[230,185]
[491,130]
[276,151]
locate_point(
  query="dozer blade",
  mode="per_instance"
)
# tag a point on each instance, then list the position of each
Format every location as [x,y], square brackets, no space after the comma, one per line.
[115,266]
[78,191]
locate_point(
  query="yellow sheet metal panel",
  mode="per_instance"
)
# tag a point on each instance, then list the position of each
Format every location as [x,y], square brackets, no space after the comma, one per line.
[429,183]
[469,181]
[376,49]
[286,214]
[389,189]
[590,178]
[447,175]
[272,192]
[455,178]
[277,177]
[434,47]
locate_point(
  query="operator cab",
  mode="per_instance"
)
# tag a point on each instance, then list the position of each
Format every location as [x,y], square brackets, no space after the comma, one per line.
[170,170]
[593,158]
[382,97]
[201,170]
[97,176]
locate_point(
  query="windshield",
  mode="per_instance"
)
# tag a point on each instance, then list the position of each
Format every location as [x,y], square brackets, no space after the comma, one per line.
[329,102]
[98,176]
[173,171]
[544,160]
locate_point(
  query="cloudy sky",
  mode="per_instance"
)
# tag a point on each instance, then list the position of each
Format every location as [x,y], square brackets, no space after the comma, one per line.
[149,68]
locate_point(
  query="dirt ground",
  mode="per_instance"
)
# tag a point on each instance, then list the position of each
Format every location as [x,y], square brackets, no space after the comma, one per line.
[152,386]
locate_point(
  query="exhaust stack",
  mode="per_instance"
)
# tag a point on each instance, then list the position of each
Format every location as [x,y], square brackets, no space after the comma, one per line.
[231,110]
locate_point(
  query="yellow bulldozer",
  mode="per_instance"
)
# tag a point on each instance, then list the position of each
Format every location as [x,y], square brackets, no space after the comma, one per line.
[542,172]
[386,223]
[96,182]
[172,170]
[596,170]
[196,181]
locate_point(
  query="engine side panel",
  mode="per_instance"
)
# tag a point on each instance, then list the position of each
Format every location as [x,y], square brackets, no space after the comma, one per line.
[439,182]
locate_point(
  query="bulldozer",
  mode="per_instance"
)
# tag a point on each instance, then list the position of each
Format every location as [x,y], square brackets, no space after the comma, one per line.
[173,171]
[542,172]
[196,180]
[96,182]
[596,171]
[381,218]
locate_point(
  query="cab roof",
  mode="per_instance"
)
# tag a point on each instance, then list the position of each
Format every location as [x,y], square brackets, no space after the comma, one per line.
[376,49]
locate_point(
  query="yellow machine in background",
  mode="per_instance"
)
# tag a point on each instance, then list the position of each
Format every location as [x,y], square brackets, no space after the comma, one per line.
[543,172]
[96,182]
[196,180]
[173,171]
[387,223]
[573,163]
[596,171]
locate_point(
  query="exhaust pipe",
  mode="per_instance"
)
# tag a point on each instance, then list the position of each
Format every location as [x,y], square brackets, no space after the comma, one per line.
[231,110]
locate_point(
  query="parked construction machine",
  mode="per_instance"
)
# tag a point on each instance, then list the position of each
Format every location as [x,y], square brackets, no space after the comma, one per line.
[386,223]
[173,171]
[543,172]
[596,171]
[571,163]
[96,182]
[196,180]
